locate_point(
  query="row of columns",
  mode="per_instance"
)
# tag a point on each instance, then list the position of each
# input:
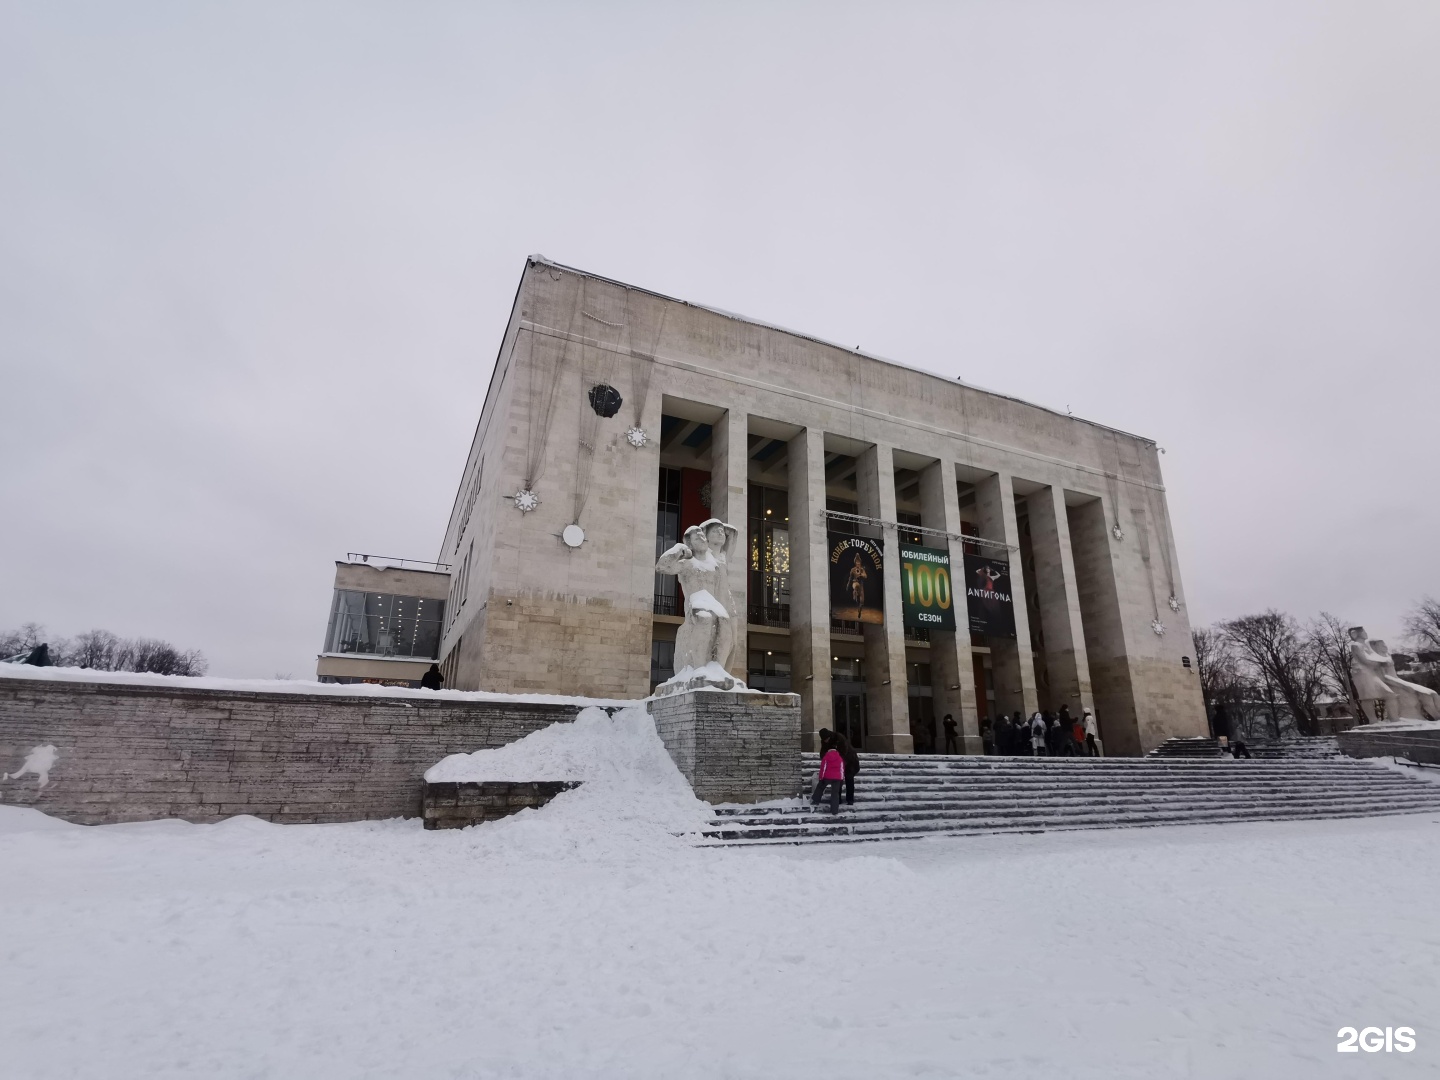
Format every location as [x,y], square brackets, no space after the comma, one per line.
[950,655]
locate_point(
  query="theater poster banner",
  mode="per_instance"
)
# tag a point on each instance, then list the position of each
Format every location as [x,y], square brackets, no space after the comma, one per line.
[988,598]
[857,579]
[927,597]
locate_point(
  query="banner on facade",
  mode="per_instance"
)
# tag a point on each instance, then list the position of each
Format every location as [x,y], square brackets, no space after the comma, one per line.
[927,596]
[857,579]
[988,598]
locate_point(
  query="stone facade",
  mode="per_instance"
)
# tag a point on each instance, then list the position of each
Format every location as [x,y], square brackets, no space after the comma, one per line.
[135,752]
[458,805]
[733,747]
[756,406]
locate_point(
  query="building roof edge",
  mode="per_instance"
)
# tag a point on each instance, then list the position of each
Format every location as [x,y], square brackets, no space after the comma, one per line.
[544,261]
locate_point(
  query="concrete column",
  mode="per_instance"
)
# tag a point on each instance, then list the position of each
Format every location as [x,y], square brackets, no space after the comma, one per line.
[952,666]
[809,586]
[1012,660]
[729,476]
[1058,598]
[887,698]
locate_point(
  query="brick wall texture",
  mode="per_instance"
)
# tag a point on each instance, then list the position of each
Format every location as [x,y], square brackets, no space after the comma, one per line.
[733,747]
[135,753]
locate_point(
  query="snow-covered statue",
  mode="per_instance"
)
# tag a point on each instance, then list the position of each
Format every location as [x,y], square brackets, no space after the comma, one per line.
[1413,701]
[1367,672]
[706,640]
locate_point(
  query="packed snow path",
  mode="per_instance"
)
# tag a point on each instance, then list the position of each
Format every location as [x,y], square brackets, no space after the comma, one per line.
[898,797]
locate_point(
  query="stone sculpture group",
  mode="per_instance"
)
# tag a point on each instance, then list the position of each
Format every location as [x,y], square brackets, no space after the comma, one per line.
[1373,671]
[705,642]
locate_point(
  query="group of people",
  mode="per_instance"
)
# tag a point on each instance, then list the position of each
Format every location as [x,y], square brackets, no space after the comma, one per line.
[839,763]
[1045,734]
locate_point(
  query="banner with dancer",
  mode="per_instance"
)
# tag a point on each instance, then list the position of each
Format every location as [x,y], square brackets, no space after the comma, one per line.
[927,597]
[988,598]
[857,579]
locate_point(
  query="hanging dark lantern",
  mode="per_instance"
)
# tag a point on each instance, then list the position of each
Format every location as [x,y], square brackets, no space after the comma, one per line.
[605,400]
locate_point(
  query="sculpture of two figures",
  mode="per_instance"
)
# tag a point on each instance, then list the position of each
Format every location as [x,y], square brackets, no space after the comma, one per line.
[1373,672]
[705,642]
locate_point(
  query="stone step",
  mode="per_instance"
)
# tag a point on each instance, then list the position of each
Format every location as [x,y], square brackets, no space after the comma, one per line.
[1003,799]
[901,796]
[829,827]
[1011,807]
[838,834]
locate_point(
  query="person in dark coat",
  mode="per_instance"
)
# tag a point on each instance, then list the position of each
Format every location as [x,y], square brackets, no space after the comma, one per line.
[432,679]
[852,765]
[987,736]
[1002,735]
[952,745]
[1068,745]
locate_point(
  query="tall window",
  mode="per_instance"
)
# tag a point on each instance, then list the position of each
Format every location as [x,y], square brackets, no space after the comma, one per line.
[769,671]
[383,624]
[667,535]
[662,662]
[769,591]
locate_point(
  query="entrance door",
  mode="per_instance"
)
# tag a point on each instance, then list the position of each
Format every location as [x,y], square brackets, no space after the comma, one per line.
[849,715]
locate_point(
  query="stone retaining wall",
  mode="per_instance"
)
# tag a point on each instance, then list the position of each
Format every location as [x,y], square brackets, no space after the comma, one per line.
[1417,745]
[733,747]
[447,805]
[137,752]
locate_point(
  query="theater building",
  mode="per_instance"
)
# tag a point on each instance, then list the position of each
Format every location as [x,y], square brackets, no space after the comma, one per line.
[617,417]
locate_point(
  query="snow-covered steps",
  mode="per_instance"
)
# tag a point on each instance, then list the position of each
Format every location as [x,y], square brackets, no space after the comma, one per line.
[899,797]
[1315,748]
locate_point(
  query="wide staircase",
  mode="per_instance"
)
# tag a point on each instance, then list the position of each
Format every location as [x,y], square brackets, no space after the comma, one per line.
[1312,748]
[909,797]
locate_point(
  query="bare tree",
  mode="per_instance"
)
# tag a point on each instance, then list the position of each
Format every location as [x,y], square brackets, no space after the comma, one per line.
[1330,638]
[158,658]
[101,650]
[16,642]
[1423,624]
[1286,662]
[1221,679]
[94,649]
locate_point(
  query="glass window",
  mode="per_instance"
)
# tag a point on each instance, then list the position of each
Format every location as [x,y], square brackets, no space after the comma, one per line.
[667,535]
[851,668]
[769,584]
[662,662]
[384,624]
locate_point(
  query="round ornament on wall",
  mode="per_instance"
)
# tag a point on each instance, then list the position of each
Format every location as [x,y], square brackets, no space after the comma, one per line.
[573,536]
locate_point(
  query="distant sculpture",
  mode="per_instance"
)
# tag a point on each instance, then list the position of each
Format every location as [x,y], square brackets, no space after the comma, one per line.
[1413,701]
[704,643]
[1367,672]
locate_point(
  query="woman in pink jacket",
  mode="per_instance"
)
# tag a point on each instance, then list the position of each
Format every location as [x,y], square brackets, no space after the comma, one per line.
[832,774]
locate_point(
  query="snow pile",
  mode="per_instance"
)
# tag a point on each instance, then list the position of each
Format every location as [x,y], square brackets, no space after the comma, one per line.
[629,786]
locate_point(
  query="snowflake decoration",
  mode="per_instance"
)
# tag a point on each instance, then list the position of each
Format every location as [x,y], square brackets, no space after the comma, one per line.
[636,437]
[526,500]
[1158,627]
[1117,532]
[705,494]
[1174,602]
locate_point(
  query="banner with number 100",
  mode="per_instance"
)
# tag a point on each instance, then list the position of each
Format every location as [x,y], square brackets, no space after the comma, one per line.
[927,597]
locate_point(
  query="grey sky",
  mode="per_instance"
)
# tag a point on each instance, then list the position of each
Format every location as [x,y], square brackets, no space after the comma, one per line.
[255,262]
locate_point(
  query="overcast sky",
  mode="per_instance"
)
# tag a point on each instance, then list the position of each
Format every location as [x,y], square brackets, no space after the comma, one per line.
[256,260]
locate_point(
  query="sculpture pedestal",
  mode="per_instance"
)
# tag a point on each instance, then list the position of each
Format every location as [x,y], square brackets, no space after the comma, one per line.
[733,746]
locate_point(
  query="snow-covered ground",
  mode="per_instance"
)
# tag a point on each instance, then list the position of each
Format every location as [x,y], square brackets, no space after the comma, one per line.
[585,940]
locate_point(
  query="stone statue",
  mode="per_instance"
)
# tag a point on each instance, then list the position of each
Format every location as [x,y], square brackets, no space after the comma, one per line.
[1414,702]
[706,640]
[1367,672]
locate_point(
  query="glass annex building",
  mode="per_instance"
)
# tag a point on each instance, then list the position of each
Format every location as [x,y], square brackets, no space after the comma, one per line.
[385,622]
